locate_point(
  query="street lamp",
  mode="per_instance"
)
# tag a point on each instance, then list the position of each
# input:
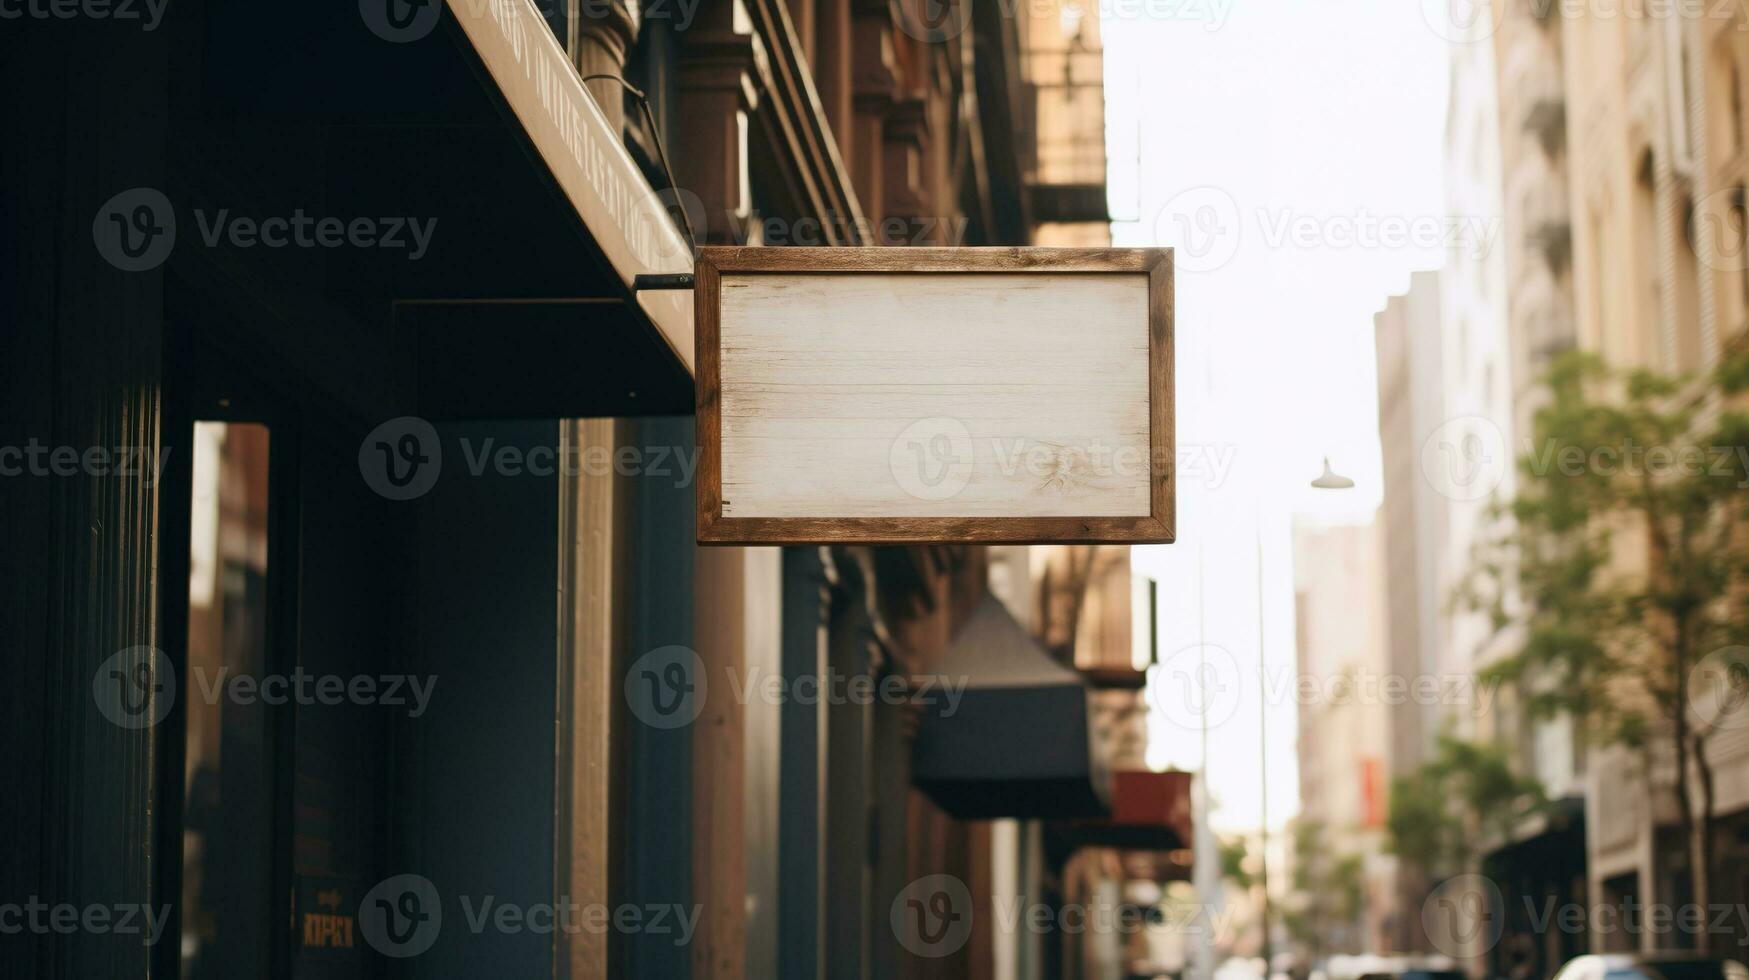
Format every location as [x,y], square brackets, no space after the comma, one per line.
[1332,480]
[1328,480]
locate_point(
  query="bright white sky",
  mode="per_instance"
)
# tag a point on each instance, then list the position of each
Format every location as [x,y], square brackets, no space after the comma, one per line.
[1225,119]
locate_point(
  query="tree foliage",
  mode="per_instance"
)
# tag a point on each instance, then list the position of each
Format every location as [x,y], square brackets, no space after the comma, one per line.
[1329,894]
[1625,563]
[1466,791]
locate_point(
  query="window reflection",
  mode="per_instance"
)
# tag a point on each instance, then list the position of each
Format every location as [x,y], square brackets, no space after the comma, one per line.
[227,861]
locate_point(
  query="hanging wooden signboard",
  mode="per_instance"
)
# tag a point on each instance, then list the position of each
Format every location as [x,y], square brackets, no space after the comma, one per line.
[892,395]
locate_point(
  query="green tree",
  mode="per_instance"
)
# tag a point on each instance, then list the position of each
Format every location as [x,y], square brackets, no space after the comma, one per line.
[1329,893]
[1468,789]
[1626,568]
[1233,854]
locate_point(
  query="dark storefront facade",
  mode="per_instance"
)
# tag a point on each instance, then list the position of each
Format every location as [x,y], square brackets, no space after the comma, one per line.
[364,666]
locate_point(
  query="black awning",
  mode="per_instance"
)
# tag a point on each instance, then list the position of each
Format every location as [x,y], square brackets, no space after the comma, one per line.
[1017,743]
[1150,811]
[503,221]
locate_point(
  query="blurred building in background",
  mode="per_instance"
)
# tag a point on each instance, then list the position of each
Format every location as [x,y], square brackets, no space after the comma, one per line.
[1654,133]
[1610,143]
[1065,72]
[1406,336]
[1542,859]
[1475,386]
[1345,739]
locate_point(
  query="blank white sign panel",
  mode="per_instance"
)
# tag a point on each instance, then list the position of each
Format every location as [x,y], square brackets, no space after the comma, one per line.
[935,395]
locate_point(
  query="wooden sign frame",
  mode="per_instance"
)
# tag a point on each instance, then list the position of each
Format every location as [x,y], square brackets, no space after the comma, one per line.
[1158,526]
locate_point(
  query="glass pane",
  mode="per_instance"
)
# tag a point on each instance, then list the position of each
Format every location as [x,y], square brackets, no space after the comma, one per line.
[227,806]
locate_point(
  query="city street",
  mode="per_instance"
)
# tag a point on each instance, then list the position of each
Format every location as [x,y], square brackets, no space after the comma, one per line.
[875,489]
